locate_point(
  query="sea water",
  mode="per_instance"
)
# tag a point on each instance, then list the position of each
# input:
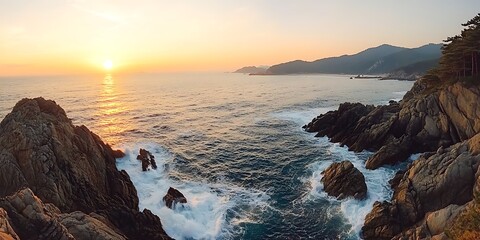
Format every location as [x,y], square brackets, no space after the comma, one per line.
[233,144]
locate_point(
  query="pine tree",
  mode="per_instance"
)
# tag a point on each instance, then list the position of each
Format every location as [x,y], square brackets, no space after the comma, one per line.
[460,53]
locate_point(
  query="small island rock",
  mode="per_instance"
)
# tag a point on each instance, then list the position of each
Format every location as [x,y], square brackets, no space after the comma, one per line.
[147,159]
[173,197]
[343,180]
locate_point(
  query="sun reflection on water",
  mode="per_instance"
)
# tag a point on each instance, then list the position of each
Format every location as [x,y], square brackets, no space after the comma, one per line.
[111,112]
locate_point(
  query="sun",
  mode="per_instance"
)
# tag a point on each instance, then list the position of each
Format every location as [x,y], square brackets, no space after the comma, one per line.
[107,64]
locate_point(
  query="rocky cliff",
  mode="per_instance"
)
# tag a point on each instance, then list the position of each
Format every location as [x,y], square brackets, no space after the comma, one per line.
[429,116]
[437,196]
[44,158]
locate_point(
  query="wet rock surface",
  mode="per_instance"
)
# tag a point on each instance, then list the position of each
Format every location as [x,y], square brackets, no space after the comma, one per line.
[173,197]
[147,159]
[69,167]
[344,180]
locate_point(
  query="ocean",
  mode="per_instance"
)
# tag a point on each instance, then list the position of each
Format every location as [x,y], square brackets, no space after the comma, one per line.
[233,144]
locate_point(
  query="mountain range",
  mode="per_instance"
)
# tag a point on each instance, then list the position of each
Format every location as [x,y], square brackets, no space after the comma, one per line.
[383,59]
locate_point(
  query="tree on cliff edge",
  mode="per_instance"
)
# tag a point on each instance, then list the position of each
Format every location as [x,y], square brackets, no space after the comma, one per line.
[460,53]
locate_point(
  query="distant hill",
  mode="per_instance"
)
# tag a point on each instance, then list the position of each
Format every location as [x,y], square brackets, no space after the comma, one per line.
[378,60]
[406,58]
[413,71]
[251,70]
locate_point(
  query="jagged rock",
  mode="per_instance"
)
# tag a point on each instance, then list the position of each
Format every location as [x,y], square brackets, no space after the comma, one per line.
[31,218]
[134,224]
[37,220]
[433,225]
[382,223]
[344,180]
[339,124]
[6,230]
[427,118]
[396,179]
[436,182]
[173,197]
[147,159]
[67,166]
[83,226]
[394,151]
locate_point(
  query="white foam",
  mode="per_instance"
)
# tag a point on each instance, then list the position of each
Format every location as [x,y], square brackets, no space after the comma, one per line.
[213,210]
[302,117]
[377,183]
[400,93]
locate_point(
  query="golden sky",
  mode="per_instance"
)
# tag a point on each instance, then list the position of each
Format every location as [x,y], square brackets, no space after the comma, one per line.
[40,37]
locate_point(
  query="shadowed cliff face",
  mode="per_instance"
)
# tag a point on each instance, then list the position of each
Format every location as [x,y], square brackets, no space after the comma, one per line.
[68,166]
[426,119]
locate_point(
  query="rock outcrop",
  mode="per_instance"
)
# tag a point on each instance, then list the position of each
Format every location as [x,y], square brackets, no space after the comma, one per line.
[382,222]
[437,196]
[72,169]
[36,220]
[344,180]
[430,116]
[147,159]
[430,195]
[173,197]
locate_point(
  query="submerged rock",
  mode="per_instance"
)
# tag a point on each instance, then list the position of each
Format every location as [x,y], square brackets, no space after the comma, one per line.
[173,197]
[147,159]
[344,180]
[69,167]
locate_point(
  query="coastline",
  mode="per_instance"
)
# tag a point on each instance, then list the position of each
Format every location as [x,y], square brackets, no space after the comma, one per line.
[427,120]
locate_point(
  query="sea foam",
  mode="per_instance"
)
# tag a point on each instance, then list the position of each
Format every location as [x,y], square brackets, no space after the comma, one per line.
[213,210]
[354,210]
[302,117]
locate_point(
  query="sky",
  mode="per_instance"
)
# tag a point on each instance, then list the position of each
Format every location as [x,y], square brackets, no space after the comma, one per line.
[50,37]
